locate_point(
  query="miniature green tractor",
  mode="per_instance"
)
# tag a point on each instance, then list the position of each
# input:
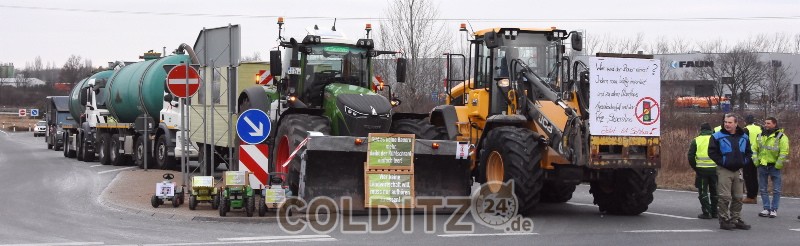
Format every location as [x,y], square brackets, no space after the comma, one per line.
[236,193]
[203,190]
[166,191]
[274,195]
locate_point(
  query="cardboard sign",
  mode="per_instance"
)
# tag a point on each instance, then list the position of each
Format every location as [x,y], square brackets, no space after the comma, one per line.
[625,97]
[390,151]
[202,181]
[235,178]
[165,189]
[392,190]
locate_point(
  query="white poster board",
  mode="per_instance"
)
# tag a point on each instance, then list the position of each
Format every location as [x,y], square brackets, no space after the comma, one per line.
[625,96]
[165,189]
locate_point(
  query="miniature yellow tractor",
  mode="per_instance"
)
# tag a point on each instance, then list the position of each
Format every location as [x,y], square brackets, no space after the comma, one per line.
[203,190]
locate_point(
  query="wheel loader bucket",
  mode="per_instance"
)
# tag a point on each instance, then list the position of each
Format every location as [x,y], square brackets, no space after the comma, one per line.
[333,166]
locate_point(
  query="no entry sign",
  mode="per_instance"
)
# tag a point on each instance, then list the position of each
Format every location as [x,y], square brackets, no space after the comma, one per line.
[180,81]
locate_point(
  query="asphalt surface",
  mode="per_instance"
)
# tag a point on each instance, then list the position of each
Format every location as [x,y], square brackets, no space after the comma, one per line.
[51,200]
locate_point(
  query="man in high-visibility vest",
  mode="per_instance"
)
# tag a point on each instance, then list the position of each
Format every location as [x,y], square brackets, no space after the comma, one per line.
[749,171]
[770,153]
[705,172]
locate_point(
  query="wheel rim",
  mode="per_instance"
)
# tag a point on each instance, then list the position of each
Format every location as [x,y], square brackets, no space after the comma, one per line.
[114,151]
[282,155]
[494,171]
[139,149]
[162,149]
[102,151]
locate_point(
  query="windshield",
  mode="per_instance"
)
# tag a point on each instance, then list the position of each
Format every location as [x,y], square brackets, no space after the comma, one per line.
[41,123]
[336,64]
[533,50]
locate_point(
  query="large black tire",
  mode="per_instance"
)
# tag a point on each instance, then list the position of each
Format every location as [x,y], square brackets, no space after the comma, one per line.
[421,128]
[69,153]
[154,201]
[163,159]
[139,154]
[250,206]
[627,192]
[223,206]
[214,201]
[192,202]
[262,207]
[176,201]
[293,128]
[104,144]
[117,159]
[65,145]
[49,146]
[88,154]
[79,146]
[557,192]
[520,152]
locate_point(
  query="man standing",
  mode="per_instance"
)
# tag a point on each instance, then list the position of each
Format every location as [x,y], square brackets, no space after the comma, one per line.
[750,174]
[770,153]
[732,144]
[705,173]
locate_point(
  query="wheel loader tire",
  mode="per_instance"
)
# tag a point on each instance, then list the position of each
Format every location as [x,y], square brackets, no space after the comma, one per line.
[290,133]
[163,159]
[421,128]
[520,153]
[628,192]
[556,192]
[192,202]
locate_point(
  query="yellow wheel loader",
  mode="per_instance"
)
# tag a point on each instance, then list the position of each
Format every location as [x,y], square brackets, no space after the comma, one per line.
[522,106]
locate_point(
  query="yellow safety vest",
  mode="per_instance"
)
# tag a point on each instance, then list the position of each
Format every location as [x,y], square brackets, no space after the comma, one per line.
[754,131]
[701,155]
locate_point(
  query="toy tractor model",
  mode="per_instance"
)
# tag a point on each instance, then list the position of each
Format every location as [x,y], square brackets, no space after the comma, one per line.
[167,191]
[203,190]
[274,195]
[236,193]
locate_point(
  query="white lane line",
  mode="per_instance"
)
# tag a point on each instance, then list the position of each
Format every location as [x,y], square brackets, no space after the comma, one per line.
[96,166]
[56,244]
[272,237]
[114,170]
[4,132]
[249,242]
[489,234]
[794,229]
[651,213]
[659,231]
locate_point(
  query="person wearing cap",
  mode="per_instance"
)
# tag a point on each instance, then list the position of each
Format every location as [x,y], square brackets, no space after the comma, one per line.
[730,149]
[749,171]
[770,154]
[705,172]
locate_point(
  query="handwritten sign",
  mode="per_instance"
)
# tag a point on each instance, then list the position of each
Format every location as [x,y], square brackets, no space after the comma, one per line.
[390,151]
[625,96]
[236,178]
[202,181]
[392,190]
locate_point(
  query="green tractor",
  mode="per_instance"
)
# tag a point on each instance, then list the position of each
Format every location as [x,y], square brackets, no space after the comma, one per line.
[325,103]
[236,194]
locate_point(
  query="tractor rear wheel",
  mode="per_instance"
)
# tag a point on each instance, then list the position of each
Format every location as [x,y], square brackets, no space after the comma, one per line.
[557,192]
[262,206]
[223,206]
[192,202]
[627,192]
[513,153]
[289,135]
[421,128]
[154,201]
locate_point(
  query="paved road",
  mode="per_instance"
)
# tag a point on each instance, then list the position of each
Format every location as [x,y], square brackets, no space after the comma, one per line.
[50,200]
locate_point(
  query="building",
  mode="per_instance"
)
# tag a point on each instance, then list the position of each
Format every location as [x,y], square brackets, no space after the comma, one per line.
[17,82]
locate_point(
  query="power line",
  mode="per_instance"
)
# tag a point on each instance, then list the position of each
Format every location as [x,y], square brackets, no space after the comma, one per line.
[679,19]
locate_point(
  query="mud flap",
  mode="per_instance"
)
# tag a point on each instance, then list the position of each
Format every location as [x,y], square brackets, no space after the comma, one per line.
[333,166]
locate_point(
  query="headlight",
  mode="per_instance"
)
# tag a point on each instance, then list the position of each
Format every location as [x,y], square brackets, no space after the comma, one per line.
[353,112]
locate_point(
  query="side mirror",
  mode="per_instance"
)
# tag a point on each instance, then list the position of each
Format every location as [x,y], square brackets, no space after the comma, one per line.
[401,70]
[491,40]
[275,63]
[168,97]
[577,41]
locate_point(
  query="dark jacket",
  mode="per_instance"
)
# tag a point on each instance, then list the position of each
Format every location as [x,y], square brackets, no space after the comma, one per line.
[730,150]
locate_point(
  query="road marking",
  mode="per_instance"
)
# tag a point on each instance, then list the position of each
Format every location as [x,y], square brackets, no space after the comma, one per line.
[651,213]
[794,229]
[56,244]
[489,234]
[272,237]
[658,231]
[96,166]
[114,170]
[4,132]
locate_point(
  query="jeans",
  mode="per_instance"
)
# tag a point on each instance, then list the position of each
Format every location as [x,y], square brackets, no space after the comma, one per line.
[773,173]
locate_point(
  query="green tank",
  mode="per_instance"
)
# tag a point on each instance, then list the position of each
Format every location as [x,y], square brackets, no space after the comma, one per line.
[139,88]
[76,97]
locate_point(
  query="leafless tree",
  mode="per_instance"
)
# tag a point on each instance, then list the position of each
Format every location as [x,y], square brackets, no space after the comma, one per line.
[775,89]
[255,57]
[739,70]
[75,69]
[411,27]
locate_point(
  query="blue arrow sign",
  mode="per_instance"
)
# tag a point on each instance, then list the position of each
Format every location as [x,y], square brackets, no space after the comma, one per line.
[34,112]
[253,126]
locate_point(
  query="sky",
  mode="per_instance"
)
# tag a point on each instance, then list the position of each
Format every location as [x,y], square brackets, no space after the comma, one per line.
[104,31]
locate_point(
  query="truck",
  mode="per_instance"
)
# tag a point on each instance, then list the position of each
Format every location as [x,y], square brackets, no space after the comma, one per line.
[324,105]
[524,106]
[56,114]
[127,114]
